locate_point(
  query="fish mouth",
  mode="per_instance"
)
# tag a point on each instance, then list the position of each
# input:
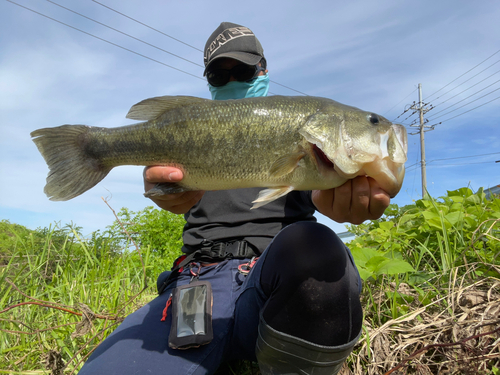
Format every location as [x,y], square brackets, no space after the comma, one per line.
[322,160]
[386,167]
[388,174]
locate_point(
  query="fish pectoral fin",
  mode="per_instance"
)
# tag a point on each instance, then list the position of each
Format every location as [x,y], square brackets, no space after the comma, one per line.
[286,164]
[268,195]
[165,188]
[152,108]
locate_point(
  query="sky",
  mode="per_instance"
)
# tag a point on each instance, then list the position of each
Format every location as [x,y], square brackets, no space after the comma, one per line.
[367,54]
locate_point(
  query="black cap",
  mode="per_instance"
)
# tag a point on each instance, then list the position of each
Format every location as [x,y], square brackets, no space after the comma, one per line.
[233,41]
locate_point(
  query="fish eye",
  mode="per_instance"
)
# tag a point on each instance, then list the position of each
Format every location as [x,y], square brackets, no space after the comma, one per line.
[374,119]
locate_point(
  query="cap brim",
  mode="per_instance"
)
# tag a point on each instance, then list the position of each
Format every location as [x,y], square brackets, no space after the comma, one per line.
[244,57]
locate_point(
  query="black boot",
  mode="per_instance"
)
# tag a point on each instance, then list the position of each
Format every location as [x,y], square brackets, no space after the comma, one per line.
[282,354]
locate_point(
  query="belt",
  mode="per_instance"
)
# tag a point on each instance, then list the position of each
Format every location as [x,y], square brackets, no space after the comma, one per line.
[210,252]
[225,250]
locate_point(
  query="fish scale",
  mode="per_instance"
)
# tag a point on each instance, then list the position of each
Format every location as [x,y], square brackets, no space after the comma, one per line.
[278,143]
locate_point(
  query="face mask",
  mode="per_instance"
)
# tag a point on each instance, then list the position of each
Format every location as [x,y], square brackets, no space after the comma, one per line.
[239,90]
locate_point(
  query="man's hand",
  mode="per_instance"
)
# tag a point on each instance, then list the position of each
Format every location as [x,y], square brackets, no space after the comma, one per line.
[179,203]
[355,201]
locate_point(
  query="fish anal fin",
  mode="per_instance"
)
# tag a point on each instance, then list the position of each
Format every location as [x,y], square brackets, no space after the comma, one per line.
[152,108]
[286,164]
[165,188]
[268,195]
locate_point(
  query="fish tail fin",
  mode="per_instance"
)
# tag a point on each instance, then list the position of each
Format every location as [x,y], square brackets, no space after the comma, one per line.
[72,170]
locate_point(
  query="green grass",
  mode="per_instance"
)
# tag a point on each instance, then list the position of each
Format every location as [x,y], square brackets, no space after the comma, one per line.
[48,288]
[61,295]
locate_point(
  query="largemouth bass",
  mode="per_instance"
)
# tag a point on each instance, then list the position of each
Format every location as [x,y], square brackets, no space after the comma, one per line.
[279,143]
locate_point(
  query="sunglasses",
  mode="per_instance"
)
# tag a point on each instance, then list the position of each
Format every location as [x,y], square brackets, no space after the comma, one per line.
[242,73]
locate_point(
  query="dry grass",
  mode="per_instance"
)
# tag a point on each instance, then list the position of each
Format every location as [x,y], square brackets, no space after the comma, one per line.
[455,334]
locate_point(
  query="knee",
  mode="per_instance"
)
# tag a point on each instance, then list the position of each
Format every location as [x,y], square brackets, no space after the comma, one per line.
[308,248]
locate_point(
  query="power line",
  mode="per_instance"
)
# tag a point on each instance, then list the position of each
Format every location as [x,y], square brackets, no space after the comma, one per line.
[149,27]
[462,75]
[461,92]
[289,88]
[406,110]
[477,92]
[411,93]
[411,114]
[467,80]
[466,157]
[104,40]
[123,33]
[463,113]
[127,49]
[180,41]
[415,166]
[408,170]
[479,162]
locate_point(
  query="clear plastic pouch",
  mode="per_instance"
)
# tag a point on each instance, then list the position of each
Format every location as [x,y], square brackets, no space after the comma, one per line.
[191,315]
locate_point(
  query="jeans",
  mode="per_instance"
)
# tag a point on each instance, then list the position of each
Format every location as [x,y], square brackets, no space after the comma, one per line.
[140,344]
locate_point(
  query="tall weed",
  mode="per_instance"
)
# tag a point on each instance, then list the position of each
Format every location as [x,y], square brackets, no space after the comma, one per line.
[61,294]
[419,244]
[60,297]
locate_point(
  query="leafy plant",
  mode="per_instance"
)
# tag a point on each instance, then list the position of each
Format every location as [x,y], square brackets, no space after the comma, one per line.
[159,229]
[419,242]
[434,235]
[408,259]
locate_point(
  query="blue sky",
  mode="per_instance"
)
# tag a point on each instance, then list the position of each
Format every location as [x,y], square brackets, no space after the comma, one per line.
[367,54]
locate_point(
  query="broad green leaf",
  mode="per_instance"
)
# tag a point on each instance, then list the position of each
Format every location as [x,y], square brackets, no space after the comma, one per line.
[364,274]
[437,223]
[463,192]
[382,265]
[470,220]
[363,255]
[407,217]
[393,266]
[474,199]
[429,215]
[454,217]
[375,263]
[386,225]
[457,198]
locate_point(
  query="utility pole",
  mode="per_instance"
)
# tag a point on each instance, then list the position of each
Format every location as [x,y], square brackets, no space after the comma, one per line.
[422,110]
[422,140]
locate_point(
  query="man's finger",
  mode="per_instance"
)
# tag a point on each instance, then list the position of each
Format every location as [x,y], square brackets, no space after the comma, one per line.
[178,203]
[341,208]
[360,200]
[379,201]
[155,174]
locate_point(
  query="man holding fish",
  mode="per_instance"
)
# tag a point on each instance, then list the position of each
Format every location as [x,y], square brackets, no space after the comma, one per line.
[276,287]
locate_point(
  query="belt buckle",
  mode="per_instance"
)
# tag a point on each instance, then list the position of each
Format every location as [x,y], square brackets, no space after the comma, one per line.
[218,250]
[235,249]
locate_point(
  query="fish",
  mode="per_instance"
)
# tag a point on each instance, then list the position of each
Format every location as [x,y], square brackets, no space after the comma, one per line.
[279,143]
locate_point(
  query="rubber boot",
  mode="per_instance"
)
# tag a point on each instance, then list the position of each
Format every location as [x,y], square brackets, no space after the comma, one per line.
[282,354]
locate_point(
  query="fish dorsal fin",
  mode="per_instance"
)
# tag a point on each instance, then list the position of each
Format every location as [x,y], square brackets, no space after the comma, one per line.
[152,108]
[286,164]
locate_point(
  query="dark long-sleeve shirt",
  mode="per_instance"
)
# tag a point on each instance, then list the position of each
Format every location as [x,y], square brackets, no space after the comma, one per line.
[225,215]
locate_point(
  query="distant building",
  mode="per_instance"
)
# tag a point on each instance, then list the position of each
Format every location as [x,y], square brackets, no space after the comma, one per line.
[346,236]
[495,190]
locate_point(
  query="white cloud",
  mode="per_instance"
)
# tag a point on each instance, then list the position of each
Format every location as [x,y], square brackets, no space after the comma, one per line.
[367,54]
